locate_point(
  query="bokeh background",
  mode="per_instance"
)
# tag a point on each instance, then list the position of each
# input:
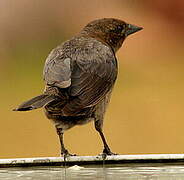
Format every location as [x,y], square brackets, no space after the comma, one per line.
[146,113]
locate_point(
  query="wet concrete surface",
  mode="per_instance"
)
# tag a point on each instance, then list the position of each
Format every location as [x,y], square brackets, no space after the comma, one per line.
[125,172]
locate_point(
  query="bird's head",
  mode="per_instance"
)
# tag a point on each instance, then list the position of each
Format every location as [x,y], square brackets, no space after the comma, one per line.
[110,31]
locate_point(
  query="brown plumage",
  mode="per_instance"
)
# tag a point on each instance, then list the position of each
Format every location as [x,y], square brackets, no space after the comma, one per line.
[79,75]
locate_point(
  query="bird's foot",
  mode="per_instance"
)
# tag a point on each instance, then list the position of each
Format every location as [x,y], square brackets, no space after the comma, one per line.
[66,154]
[107,152]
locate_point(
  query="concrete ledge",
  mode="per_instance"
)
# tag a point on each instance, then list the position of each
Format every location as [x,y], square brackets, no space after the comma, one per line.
[95,160]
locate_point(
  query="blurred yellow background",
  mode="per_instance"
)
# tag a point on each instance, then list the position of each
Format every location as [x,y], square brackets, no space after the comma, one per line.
[146,112]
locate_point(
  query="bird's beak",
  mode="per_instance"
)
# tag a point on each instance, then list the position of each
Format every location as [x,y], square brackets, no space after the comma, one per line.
[132,29]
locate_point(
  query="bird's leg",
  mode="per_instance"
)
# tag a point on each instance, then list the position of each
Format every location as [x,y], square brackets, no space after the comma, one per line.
[106,150]
[64,151]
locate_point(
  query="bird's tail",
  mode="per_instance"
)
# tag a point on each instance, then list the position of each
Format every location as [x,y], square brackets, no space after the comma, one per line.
[36,102]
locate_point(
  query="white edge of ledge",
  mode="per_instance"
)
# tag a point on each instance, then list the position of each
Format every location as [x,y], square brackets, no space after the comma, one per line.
[76,159]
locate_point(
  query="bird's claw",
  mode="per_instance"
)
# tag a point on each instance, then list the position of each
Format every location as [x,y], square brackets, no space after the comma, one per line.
[107,152]
[66,154]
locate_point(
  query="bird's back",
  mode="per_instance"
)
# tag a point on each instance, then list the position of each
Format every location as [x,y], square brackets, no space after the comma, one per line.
[82,71]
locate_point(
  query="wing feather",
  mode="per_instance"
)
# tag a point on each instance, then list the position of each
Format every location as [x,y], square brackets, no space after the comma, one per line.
[57,70]
[89,74]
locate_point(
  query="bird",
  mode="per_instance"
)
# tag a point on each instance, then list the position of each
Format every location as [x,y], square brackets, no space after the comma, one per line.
[79,76]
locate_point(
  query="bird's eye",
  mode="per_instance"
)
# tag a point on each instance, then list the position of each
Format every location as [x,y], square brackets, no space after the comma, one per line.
[119,29]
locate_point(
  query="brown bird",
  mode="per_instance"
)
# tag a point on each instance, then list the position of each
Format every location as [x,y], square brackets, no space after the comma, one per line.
[79,75]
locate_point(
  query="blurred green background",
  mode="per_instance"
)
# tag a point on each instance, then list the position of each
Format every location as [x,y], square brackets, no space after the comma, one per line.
[146,112]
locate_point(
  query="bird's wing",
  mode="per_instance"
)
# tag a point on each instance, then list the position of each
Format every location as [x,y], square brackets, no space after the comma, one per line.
[89,75]
[57,71]
[94,73]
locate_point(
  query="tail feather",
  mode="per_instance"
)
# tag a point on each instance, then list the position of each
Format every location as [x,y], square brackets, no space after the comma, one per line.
[36,102]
